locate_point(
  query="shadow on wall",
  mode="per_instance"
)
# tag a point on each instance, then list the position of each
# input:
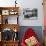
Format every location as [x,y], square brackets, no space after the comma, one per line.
[37,29]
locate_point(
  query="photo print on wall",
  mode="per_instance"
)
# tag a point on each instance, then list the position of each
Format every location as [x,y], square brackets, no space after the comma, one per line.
[30,14]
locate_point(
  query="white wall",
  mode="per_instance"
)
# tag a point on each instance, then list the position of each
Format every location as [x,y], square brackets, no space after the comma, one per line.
[7,3]
[32,4]
[27,4]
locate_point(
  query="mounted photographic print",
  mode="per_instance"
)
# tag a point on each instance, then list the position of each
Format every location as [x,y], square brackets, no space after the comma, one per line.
[12,20]
[5,12]
[13,12]
[30,14]
[7,34]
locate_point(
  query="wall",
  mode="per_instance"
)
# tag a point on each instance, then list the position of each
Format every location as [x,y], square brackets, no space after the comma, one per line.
[31,4]
[27,4]
[7,3]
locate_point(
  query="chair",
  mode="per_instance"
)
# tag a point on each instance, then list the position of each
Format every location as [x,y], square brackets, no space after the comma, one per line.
[29,33]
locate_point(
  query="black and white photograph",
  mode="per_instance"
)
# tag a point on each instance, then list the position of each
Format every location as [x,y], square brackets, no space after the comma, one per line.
[30,14]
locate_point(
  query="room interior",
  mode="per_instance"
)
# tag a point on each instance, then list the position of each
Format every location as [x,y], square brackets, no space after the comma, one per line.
[16,16]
